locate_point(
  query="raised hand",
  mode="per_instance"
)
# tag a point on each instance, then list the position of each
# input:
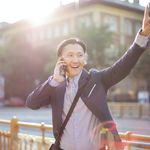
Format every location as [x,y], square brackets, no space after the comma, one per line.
[146,22]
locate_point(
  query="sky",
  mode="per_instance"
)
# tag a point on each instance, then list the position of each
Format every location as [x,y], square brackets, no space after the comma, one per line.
[34,10]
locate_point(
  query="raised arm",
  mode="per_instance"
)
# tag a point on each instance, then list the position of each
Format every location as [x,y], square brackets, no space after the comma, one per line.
[124,65]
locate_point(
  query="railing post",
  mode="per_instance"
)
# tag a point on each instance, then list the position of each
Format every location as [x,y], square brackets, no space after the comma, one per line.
[14,129]
[43,132]
[128,138]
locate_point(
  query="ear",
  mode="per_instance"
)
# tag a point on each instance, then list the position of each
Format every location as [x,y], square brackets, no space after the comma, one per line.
[85,62]
[86,58]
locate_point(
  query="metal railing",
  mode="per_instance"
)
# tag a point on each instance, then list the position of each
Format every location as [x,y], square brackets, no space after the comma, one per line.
[14,140]
[130,110]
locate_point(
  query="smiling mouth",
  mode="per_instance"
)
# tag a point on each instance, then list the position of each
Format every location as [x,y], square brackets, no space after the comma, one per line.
[75,67]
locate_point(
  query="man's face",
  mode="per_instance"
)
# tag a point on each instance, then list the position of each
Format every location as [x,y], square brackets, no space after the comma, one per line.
[75,59]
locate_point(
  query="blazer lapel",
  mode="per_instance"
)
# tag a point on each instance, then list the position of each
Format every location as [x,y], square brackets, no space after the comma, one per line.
[83,78]
[61,93]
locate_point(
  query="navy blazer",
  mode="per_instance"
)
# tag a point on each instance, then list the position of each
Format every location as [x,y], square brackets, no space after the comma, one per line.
[95,93]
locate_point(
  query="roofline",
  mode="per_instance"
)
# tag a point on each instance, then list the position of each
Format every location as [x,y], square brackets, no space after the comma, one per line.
[124,4]
[115,3]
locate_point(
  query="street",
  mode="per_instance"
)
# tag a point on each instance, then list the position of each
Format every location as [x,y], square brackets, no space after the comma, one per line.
[140,126]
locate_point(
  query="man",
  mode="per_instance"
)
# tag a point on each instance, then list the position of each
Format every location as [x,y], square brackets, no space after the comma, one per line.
[82,130]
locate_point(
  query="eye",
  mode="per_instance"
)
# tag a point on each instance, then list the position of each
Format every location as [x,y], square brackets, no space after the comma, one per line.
[70,55]
[80,55]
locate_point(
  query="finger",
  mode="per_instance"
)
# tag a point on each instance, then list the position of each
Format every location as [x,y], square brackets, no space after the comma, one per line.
[61,64]
[61,61]
[61,58]
[146,11]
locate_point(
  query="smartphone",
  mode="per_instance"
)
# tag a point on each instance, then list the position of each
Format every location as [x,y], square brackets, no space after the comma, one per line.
[63,70]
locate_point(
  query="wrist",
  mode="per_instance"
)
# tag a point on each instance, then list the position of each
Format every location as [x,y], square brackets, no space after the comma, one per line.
[141,40]
[58,78]
[143,33]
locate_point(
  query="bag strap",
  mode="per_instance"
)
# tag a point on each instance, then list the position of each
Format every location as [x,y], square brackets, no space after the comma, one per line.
[58,138]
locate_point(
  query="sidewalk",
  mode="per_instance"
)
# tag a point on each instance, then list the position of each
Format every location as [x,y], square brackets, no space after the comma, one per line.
[140,126]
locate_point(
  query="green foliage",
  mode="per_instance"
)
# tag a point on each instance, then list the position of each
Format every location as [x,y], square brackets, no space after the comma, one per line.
[97,40]
[23,64]
[142,69]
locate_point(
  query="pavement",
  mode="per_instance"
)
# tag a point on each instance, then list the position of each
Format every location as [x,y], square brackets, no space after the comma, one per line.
[139,126]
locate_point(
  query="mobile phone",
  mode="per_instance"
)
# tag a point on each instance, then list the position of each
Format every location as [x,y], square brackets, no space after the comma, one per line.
[63,70]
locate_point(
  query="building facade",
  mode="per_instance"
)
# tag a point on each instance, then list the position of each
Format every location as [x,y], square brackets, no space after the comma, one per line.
[123,18]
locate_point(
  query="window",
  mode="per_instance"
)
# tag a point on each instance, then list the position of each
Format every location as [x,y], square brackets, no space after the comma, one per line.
[128,27]
[65,28]
[31,37]
[138,25]
[56,31]
[111,21]
[49,32]
[96,19]
[84,21]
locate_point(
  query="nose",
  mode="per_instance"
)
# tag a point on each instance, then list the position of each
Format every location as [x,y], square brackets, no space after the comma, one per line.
[75,59]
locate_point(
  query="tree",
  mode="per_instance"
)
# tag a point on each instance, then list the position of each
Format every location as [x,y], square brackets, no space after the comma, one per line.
[97,40]
[22,65]
[142,68]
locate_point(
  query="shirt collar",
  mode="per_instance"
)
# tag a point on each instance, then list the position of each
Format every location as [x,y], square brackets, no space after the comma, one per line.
[74,79]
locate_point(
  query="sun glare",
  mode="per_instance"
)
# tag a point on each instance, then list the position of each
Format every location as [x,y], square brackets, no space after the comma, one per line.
[34,10]
[38,10]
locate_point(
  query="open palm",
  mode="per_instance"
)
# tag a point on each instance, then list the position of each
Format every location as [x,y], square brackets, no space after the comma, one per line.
[146,22]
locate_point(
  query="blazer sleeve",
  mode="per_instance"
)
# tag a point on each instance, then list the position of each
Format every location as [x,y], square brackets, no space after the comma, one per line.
[122,67]
[41,96]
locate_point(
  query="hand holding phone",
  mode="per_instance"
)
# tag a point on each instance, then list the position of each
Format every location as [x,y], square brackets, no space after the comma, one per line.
[63,70]
[60,70]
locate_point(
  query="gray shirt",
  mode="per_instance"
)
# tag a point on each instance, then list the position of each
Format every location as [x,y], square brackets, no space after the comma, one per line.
[79,132]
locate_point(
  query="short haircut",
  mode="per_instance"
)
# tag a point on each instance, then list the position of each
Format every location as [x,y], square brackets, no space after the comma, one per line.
[70,41]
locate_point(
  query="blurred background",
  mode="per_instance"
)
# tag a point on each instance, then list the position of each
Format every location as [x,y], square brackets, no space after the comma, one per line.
[31,30]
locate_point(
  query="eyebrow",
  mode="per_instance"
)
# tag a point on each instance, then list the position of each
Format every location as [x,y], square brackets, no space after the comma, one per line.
[76,52]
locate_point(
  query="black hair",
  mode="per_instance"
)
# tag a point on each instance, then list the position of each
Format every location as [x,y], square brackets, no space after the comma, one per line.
[70,41]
